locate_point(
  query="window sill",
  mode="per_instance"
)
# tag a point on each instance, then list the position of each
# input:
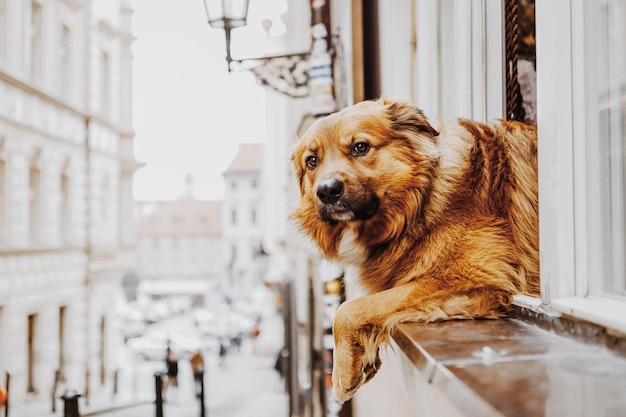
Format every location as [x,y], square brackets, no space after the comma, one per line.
[594,309]
[527,365]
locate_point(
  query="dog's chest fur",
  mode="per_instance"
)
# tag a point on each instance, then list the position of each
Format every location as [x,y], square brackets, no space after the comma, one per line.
[349,251]
[352,256]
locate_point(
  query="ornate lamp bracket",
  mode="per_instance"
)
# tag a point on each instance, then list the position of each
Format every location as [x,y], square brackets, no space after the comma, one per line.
[286,74]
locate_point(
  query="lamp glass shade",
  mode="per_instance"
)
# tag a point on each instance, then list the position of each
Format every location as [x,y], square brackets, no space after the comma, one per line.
[228,14]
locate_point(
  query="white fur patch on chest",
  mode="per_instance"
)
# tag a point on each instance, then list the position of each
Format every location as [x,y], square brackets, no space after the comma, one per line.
[352,282]
[350,252]
[352,256]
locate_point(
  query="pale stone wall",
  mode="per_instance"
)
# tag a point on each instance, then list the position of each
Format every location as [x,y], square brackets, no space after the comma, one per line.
[41,283]
[63,179]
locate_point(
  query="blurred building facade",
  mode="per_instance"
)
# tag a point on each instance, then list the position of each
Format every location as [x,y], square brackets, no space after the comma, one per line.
[241,216]
[378,48]
[66,163]
[179,246]
[475,60]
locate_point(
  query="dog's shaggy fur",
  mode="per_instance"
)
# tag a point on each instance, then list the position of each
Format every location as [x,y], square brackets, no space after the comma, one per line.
[438,223]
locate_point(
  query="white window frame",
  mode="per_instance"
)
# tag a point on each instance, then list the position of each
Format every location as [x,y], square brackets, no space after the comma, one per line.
[566,246]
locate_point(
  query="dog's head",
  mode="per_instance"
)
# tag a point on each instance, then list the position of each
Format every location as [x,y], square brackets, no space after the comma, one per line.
[371,164]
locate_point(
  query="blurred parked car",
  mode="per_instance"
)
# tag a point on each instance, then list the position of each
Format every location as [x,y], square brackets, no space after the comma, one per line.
[179,303]
[157,311]
[133,328]
[229,325]
[131,320]
[202,316]
[153,346]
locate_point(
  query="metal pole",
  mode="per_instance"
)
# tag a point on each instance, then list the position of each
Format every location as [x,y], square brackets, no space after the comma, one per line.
[158,385]
[227,29]
[6,404]
[87,376]
[201,380]
[314,356]
[57,376]
[291,334]
[115,381]
[293,354]
[70,398]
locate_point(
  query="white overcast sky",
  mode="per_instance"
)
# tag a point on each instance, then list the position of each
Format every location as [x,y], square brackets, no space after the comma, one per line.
[189,113]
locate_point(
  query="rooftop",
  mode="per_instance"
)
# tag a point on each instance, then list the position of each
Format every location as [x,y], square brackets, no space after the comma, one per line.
[248,159]
[183,217]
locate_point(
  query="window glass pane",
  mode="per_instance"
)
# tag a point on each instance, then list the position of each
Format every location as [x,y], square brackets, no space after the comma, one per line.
[35,204]
[606,143]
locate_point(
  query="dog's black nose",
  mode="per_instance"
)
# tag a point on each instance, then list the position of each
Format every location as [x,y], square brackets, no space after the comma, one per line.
[329,191]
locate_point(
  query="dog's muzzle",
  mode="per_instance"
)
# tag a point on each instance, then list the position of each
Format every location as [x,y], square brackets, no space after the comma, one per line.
[340,205]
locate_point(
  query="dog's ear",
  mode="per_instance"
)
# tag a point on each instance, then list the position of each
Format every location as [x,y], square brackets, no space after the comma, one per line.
[407,117]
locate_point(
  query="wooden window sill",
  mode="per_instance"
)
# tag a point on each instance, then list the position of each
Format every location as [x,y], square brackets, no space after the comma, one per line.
[532,364]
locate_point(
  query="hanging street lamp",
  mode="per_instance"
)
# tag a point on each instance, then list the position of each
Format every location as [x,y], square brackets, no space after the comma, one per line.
[227,15]
[287,74]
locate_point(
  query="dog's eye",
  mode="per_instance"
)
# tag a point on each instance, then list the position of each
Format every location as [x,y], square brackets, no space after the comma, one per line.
[311,162]
[360,148]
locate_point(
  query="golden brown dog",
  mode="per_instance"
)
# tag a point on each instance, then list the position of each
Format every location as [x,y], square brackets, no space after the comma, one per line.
[437,224]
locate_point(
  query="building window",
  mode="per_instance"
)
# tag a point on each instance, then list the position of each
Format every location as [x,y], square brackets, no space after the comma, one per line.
[105,84]
[35,204]
[32,335]
[65,209]
[253,216]
[36,41]
[253,184]
[102,353]
[233,217]
[581,159]
[233,254]
[62,338]
[605,49]
[105,197]
[64,71]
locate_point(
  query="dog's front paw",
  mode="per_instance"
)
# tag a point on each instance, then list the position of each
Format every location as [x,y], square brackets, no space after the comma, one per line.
[356,358]
[350,371]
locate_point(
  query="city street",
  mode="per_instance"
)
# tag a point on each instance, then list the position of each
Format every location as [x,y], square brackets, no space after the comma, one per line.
[245,384]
